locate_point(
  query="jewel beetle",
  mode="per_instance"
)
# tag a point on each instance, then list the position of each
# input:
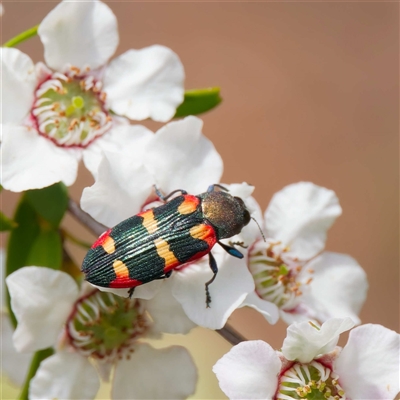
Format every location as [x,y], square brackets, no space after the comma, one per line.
[151,244]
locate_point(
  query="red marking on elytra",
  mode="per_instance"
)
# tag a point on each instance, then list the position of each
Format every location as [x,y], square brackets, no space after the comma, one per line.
[100,241]
[124,283]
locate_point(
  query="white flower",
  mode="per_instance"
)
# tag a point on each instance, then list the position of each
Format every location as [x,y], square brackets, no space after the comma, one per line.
[52,115]
[178,156]
[291,271]
[14,365]
[96,330]
[311,367]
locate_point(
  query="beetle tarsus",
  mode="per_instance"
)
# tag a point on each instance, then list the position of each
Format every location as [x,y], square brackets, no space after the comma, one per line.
[130,292]
[240,244]
[208,298]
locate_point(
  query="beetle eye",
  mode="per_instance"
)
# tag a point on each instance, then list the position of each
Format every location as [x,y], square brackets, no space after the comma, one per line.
[246,214]
[246,217]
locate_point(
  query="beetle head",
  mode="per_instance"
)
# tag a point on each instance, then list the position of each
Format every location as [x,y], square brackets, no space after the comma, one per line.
[227,214]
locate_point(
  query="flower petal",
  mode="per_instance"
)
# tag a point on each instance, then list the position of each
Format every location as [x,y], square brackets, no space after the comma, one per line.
[51,296]
[269,310]
[150,373]
[127,139]
[121,188]
[146,83]
[180,157]
[81,33]
[31,161]
[339,287]
[167,313]
[368,366]
[228,290]
[301,313]
[300,215]
[65,376]
[304,341]
[249,371]
[18,82]
[13,364]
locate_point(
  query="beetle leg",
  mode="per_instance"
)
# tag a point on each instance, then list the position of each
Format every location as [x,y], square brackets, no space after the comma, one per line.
[231,250]
[165,198]
[130,292]
[214,268]
[158,193]
[166,275]
[211,188]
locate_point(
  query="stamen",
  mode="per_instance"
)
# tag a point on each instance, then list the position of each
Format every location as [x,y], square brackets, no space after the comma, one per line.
[74,106]
[59,75]
[309,381]
[39,102]
[276,277]
[105,326]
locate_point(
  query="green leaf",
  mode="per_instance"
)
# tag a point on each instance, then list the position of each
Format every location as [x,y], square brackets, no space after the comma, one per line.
[37,358]
[6,224]
[33,242]
[20,242]
[198,101]
[21,238]
[50,202]
[46,250]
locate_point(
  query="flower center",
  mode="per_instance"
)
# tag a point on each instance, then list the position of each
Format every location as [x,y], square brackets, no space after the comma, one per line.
[69,109]
[310,381]
[105,326]
[276,280]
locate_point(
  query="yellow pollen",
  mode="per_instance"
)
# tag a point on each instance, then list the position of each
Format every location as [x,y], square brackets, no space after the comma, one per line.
[73,123]
[75,69]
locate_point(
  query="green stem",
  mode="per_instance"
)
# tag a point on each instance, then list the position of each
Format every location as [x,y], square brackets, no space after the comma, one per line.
[73,239]
[22,37]
[38,357]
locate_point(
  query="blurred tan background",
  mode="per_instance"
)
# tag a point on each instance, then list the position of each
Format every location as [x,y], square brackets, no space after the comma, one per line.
[310,93]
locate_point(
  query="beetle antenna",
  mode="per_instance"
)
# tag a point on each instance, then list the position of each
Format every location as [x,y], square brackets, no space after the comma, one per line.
[262,233]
